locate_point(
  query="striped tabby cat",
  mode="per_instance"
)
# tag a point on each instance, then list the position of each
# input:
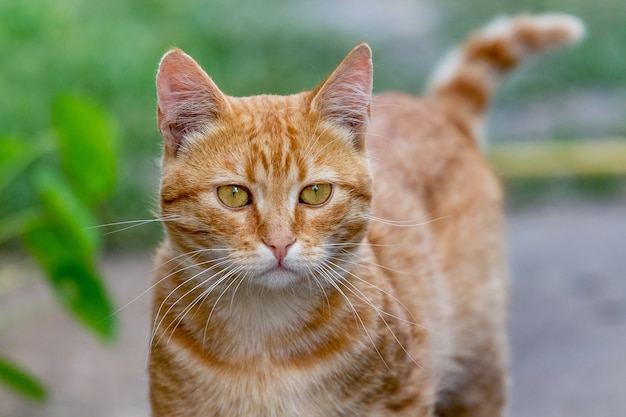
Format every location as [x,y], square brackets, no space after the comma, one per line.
[331,253]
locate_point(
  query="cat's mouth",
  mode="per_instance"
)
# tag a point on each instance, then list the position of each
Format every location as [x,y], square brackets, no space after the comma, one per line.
[279,267]
[277,276]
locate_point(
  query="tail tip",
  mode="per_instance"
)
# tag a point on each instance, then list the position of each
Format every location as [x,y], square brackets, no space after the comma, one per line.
[572,26]
[564,28]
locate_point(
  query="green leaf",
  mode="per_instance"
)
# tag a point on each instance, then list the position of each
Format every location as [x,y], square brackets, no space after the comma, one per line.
[61,204]
[11,226]
[15,155]
[86,145]
[72,275]
[20,381]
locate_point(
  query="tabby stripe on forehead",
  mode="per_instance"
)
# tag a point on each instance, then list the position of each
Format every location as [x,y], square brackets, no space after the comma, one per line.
[260,156]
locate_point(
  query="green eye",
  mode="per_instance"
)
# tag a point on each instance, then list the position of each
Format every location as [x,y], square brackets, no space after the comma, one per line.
[315,194]
[233,196]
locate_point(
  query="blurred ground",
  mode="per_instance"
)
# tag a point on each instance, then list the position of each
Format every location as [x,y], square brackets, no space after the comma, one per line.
[568,317]
[568,324]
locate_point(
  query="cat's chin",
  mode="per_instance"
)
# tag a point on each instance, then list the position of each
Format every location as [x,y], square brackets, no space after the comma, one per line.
[277,278]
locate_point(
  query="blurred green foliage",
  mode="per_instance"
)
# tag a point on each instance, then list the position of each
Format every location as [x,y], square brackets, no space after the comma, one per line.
[110,51]
[70,172]
[20,381]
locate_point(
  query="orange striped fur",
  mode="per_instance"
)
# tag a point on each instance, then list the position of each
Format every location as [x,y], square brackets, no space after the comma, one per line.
[385,297]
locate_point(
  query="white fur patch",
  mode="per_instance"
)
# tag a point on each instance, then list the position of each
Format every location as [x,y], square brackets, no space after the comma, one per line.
[572,24]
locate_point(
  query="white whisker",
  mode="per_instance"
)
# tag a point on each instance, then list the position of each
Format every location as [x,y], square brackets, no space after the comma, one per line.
[313,276]
[386,293]
[356,244]
[159,281]
[195,252]
[178,319]
[359,294]
[130,224]
[328,274]
[241,280]
[374,264]
[162,318]
[236,272]
[406,223]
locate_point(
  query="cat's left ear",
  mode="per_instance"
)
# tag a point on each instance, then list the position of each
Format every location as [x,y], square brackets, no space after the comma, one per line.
[189,102]
[344,97]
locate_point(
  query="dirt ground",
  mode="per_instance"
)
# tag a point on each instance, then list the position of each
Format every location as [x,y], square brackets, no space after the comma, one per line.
[568,323]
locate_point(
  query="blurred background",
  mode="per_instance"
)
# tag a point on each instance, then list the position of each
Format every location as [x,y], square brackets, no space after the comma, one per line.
[79,148]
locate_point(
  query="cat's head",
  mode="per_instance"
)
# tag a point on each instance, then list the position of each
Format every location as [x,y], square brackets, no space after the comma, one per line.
[271,189]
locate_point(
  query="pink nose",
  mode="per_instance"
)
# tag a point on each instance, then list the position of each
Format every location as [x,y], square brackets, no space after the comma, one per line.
[279,245]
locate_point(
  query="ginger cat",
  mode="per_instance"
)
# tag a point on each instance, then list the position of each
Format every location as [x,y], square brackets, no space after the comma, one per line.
[332,254]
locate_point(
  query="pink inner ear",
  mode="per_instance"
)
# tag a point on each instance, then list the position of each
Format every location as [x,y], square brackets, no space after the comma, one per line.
[344,98]
[188,100]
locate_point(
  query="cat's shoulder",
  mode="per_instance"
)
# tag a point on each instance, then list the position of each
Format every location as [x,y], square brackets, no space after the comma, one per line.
[412,134]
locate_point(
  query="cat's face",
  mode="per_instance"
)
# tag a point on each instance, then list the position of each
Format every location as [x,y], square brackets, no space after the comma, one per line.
[268,189]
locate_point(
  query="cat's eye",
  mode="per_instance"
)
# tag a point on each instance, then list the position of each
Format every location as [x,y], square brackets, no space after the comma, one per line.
[315,194]
[233,196]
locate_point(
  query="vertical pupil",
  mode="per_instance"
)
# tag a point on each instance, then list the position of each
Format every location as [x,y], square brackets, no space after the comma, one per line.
[235,191]
[315,188]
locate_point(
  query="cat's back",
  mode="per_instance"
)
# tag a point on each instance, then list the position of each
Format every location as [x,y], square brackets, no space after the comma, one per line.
[427,171]
[411,139]
[437,220]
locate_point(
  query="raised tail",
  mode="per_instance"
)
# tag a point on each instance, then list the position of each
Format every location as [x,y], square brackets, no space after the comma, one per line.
[465,81]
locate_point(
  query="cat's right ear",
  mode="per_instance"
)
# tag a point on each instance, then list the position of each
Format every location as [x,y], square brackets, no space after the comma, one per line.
[344,97]
[188,100]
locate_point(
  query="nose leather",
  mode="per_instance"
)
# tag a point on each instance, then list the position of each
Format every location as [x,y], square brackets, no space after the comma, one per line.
[279,244]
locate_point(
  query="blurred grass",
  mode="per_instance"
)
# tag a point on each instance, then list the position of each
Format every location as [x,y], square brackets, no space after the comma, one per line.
[109,51]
